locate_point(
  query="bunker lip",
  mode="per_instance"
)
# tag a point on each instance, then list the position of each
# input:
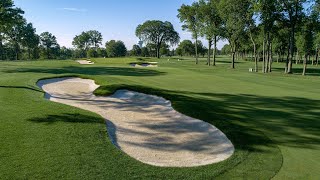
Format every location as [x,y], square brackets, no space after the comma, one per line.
[145,127]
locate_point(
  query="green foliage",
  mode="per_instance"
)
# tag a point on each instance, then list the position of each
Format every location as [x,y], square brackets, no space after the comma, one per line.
[136,50]
[164,50]
[116,49]
[65,53]
[226,49]
[186,48]
[157,33]
[145,52]
[9,15]
[102,52]
[190,17]
[87,40]
[49,45]
[233,13]
[95,38]
[82,41]
[210,19]
[31,40]
[92,53]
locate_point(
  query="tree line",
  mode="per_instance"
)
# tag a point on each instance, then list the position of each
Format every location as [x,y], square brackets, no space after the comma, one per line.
[19,40]
[286,29]
[265,31]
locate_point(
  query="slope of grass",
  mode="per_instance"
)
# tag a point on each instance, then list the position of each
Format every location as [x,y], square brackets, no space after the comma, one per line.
[273,120]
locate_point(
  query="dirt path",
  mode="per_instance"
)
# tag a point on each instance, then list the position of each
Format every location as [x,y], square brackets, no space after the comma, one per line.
[145,127]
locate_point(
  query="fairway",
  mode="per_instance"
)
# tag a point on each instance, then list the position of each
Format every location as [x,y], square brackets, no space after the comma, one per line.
[272,120]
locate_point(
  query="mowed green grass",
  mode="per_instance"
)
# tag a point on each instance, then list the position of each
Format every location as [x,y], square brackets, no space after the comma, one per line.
[272,119]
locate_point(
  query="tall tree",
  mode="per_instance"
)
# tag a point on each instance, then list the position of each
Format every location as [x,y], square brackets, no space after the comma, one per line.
[116,48]
[315,15]
[30,40]
[233,13]
[15,36]
[136,50]
[317,46]
[305,42]
[88,40]
[252,29]
[9,16]
[157,32]
[292,13]
[189,16]
[49,43]
[211,25]
[95,38]
[186,47]
[269,14]
[82,41]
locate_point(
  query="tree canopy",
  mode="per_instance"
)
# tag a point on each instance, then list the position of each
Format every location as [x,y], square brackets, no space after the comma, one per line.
[116,49]
[157,32]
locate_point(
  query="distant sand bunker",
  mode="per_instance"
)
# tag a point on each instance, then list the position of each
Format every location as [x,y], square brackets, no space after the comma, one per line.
[146,64]
[145,127]
[85,62]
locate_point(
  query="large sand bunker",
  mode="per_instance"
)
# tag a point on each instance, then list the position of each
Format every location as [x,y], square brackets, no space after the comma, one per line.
[145,127]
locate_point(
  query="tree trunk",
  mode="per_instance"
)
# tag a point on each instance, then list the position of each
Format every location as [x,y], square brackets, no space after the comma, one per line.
[268,55]
[309,59]
[317,57]
[29,54]
[48,53]
[196,48]
[209,52]
[305,65]
[291,50]
[1,48]
[264,54]
[233,56]
[270,58]
[254,53]
[287,60]
[158,51]
[214,50]
[17,52]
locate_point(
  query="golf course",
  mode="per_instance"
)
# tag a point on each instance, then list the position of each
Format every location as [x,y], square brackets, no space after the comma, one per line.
[272,120]
[170,89]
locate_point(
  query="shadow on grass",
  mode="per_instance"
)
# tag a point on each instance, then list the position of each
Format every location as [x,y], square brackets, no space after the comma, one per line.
[228,62]
[21,87]
[68,118]
[311,70]
[120,71]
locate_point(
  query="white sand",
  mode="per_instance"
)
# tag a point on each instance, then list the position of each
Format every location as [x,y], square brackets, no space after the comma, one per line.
[145,127]
[84,62]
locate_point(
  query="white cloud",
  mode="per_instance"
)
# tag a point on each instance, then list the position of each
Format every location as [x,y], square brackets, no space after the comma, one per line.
[74,9]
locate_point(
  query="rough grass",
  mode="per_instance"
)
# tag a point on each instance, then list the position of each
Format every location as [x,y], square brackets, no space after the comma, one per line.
[273,120]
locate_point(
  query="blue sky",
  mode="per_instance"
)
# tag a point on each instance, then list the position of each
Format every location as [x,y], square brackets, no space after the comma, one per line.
[115,19]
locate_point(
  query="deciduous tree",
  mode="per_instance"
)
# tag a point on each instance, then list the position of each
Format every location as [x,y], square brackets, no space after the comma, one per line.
[157,32]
